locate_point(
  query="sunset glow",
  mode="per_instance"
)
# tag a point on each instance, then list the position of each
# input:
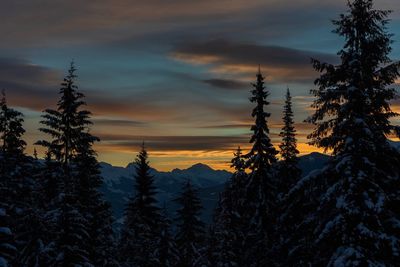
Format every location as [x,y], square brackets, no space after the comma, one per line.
[172,74]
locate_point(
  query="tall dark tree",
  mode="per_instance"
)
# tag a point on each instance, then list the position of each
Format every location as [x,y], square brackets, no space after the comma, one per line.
[353,220]
[261,187]
[11,130]
[66,124]
[190,234]
[289,172]
[142,219]
[79,204]
[18,186]
[230,219]
[97,212]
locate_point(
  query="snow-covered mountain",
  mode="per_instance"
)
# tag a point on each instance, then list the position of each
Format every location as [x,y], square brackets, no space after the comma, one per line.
[119,183]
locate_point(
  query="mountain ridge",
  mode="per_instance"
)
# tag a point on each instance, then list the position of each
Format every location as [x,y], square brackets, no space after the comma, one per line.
[119,182]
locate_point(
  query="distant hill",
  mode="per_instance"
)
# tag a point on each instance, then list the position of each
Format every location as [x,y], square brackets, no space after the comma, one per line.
[119,183]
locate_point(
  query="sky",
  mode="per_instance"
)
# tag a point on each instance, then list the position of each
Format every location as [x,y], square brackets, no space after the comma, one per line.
[175,74]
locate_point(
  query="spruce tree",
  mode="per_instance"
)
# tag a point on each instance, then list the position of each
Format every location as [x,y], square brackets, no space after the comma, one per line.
[11,130]
[66,124]
[71,146]
[97,212]
[353,219]
[289,172]
[139,238]
[261,186]
[228,236]
[18,186]
[190,233]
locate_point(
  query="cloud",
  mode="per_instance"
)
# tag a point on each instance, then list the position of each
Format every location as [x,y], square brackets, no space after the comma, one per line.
[174,143]
[75,22]
[282,64]
[226,84]
[28,85]
[118,122]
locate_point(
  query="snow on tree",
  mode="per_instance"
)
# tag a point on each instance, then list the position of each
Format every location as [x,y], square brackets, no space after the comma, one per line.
[70,247]
[139,237]
[190,233]
[166,251]
[353,218]
[18,186]
[72,182]
[97,212]
[228,234]
[7,248]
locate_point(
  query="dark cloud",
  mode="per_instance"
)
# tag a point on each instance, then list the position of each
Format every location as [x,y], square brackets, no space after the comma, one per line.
[118,122]
[226,84]
[227,126]
[175,143]
[252,54]
[282,64]
[28,85]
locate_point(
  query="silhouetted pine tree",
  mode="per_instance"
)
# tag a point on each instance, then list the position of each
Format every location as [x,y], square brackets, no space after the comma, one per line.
[11,130]
[289,172]
[261,186]
[230,218]
[353,219]
[139,238]
[66,124]
[71,145]
[17,172]
[289,175]
[97,212]
[190,235]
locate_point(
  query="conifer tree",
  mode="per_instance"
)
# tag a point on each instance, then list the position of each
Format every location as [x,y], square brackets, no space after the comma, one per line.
[11,130]
[7,247]
[289,172]
[18,185]
[97,212]
[166,252]
[142,218]
[353,218]
[261,186]
[79,203]
[230,217]
[72,227]
[66,124]
[190,235]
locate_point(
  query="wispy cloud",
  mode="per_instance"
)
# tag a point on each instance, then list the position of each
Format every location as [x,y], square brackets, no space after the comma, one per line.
[282,64]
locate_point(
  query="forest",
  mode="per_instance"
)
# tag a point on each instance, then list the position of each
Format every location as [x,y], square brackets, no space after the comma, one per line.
[52,212]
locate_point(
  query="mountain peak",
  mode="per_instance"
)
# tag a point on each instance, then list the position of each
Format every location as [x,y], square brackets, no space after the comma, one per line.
[200,167]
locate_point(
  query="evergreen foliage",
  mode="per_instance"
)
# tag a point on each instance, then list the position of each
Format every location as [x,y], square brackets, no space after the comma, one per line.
[140,233]
[230,218]
[353,220]
[190,235]
[289,172]
[261,185]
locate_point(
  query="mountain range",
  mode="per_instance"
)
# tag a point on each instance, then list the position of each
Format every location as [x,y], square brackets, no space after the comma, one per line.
[119,183]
